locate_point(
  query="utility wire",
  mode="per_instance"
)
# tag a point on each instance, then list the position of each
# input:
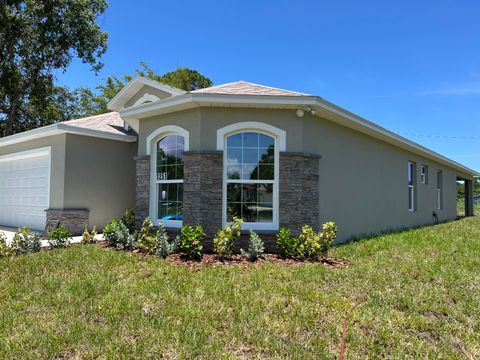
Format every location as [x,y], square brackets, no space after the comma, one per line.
[460,137]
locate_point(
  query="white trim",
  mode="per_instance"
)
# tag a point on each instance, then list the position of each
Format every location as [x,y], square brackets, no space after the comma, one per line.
[133,86]
[277,133]
[167,130]
[153,196]
[60,128]
[146,98]
[324,109]
[279,137]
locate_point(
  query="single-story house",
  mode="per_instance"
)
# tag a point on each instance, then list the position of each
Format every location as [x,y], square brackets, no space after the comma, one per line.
[270,156]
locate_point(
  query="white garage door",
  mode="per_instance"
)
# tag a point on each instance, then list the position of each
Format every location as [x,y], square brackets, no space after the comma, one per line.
[25,188]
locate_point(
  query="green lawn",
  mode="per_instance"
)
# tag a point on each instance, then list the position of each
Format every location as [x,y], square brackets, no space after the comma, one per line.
[421,291]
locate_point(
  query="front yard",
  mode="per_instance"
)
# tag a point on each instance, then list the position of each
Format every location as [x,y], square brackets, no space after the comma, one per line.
[418,296]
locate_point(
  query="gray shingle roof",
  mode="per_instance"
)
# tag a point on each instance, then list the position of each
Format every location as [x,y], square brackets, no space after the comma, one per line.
[247,88]
[109,122]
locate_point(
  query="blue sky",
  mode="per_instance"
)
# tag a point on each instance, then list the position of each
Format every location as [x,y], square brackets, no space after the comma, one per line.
[411,66]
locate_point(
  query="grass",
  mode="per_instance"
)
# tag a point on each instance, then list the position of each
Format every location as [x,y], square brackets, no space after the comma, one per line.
[461,207]
[421,291]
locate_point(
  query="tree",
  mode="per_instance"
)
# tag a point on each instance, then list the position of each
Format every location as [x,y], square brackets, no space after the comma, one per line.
[182,78]
[37,38]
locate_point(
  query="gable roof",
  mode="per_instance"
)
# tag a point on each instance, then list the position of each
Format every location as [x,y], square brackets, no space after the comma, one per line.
[134,85]
[105,126]
[246,88]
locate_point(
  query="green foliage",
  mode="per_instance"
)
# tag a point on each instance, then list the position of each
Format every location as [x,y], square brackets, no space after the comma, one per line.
[39,38]
[147,237]
[117,235]
[309,244]
[59,237]
[88,237]
[191,242]
[5,249]
[224,241]
[255,247]
[129,219]
[164,246]
[25,241]
[287,245]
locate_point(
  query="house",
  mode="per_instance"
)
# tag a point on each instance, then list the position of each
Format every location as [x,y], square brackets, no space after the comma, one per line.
[271,156]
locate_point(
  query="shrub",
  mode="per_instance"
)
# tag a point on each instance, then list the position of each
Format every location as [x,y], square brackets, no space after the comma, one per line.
[224,241]
[164,246]
[255,247]
[5,249]
[25,241]
[314,245]
[287,244]
[129,220]
[59,237]
[191,242]
[147,237]
[88,237]
[117,234]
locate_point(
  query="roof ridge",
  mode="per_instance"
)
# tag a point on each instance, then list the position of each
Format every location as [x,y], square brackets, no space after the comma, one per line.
[91,116]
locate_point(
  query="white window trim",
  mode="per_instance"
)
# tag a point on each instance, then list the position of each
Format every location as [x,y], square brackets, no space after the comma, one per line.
[423,174]
[279,136]
[151,144]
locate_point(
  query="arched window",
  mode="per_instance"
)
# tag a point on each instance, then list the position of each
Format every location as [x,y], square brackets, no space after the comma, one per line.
[251,179]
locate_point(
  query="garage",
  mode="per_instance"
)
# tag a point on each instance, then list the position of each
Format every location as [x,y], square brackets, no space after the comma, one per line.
[25,188]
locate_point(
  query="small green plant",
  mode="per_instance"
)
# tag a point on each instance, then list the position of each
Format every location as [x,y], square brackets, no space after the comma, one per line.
[164,246]
[287,245]
[147,237]
[313,245]
[5,249]
[88,237]
[191,242]
[255,247]
[329,234]
[224,241]
[59,237]
[25,241]
[117,234]
[129,220]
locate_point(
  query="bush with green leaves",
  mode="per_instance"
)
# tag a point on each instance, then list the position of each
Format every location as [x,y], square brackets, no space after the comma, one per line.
[287,244]
[5,249]
[255,247]
[88,237]
[25,241]
[191,242]
[147,237]
[59,237]
[129,220]
[224,241]
[313,245]
[164,246]
[117,234]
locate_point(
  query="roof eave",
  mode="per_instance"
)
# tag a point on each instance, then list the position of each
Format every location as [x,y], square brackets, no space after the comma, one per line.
[323,107]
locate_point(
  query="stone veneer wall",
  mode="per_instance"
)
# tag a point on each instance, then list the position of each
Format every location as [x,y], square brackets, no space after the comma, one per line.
[74,220]
[299,191]
[142,191]
[202,191]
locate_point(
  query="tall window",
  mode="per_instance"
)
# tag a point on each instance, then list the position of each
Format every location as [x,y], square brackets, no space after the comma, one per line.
[169,179]
[411,186]
[250,179]
[439,189]
[424,174]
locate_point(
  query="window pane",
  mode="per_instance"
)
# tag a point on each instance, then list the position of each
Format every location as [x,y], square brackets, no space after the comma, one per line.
[250,139]
[265,212]
[266,172]
[234,140]
[234,192]
[170,201]
[249,212]
[234,156]
[234,172]
[234,210]
[250,156]
[266,141]
[249,193]
[265,193]
[266,155]
[170,152]
[250,172]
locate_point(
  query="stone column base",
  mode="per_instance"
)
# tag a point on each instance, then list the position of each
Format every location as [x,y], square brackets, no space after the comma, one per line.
[142,199]
[74,220]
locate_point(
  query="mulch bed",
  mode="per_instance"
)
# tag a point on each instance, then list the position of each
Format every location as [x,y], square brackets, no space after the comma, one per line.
[239,260]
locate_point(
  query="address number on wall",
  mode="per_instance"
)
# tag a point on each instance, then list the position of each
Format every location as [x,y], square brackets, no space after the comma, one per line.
[162,176]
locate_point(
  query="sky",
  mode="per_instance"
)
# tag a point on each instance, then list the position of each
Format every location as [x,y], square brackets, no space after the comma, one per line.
[410,66]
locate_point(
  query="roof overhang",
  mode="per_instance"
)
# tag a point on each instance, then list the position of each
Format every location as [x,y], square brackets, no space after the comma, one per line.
[60,128]
[133,86]
[322,108]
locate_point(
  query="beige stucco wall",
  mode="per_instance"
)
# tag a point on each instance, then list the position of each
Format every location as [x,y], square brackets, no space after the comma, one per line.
[363,181]
[57,145]
[99,176]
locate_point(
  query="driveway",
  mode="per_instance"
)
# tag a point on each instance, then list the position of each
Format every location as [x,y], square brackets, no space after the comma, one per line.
[9,232]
